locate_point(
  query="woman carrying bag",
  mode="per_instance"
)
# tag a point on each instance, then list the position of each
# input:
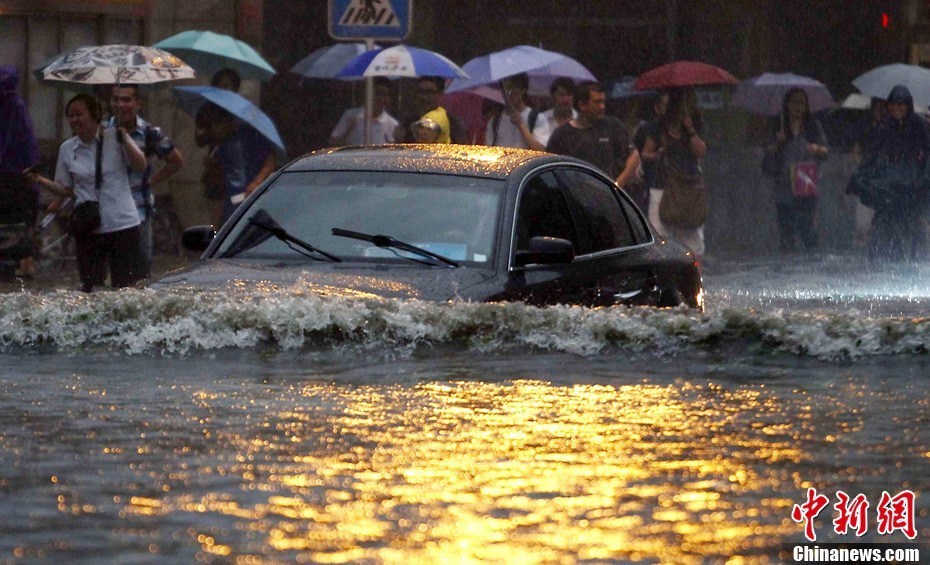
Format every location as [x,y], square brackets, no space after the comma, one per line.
[678,150]
[792,160]
[92,166]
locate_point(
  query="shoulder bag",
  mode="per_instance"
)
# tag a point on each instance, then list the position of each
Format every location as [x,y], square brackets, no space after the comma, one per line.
[684,201]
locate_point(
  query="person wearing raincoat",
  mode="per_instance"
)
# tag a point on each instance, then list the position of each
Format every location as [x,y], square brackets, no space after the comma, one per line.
[894,180]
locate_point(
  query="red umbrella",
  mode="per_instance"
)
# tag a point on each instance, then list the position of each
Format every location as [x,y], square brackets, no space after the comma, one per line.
[683,73]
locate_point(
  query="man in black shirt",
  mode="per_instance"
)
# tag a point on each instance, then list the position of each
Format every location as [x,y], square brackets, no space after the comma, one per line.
[595,137]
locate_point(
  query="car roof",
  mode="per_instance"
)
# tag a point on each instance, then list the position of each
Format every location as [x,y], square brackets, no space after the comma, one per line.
[471,160]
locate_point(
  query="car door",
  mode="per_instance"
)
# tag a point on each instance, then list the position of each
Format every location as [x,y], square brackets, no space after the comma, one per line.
[543,210]
[613,258]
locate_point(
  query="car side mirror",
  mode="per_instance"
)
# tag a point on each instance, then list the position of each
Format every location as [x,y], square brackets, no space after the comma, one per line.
[197,238]
[546,251]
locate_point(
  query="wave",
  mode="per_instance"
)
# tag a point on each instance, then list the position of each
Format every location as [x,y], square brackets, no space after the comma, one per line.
[180,321]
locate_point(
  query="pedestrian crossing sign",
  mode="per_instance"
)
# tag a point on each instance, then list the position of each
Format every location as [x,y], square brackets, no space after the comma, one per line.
[383,20]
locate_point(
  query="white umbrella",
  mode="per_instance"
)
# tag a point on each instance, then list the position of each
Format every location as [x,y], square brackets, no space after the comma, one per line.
[116,64]
[401,61]
[856,101]
[879,81]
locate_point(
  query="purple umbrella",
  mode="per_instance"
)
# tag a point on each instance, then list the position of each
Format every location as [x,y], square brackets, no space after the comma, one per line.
[764,93]
[542,67]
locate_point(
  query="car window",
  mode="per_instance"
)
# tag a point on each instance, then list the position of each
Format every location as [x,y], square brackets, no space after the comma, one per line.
[543,211]
[454,216]
[601,220]
[637,221]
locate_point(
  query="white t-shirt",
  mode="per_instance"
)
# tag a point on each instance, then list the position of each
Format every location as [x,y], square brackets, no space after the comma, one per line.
[353,123]
[508,135]
[550,115]
[76,169]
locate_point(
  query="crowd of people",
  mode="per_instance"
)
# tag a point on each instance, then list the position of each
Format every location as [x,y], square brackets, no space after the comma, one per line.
[108,168]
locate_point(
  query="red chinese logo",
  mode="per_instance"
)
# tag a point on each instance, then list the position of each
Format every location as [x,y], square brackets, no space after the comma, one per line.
[852,514]
[894,513]
[897,513]
[808,511]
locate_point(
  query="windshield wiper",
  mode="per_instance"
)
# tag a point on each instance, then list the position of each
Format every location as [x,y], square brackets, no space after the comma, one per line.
[263,220]
[388,242]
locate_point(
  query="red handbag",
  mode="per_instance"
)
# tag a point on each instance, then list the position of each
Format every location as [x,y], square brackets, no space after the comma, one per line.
[804,179]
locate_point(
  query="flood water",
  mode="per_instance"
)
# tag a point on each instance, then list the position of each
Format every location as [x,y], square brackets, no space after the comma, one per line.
[275,425]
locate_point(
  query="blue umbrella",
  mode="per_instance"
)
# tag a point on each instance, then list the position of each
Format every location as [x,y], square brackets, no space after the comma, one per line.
[401,61]
[209,52]
[192,98]
[540,65]
[326,62]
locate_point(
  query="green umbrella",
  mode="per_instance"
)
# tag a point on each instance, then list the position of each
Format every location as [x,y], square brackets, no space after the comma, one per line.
[209,52]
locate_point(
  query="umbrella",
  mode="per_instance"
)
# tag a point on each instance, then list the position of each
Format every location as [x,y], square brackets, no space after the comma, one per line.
[682,74]
[209,52]
[542,67]
[109,64]
[192,98]
[879,81]
[764,94]
[856,101]
[326,62]
[623,88]
[401,61]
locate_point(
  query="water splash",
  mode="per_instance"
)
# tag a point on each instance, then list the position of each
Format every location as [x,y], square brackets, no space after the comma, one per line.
[180,321]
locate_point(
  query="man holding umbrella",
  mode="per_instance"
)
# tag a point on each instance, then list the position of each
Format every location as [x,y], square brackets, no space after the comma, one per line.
[517,125]
[595,137]
[125,104]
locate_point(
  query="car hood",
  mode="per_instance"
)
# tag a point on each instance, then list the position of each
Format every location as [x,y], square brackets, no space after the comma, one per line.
[336,279]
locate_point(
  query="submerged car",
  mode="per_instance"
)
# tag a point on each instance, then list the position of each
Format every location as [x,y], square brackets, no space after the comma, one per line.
[445,222]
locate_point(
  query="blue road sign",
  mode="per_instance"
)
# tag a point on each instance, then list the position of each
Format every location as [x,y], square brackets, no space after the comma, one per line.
[384,20]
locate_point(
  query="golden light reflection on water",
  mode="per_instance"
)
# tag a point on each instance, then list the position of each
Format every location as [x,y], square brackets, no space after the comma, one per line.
[486,472]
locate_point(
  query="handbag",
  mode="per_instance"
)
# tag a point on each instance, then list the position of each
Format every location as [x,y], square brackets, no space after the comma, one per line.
[684,201]
[804,179]
[771,163]
[85,218]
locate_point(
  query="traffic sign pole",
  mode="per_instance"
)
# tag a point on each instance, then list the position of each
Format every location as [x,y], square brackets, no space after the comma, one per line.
[369,97]
[370,20]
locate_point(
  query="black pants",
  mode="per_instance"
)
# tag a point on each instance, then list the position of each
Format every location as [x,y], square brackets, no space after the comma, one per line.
[797,219]
[117,250]
[898,234]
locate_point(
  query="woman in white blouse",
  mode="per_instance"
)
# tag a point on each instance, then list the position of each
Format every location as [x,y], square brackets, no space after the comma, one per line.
[116,242]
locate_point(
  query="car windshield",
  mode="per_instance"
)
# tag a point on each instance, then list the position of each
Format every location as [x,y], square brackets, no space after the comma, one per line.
[453,216]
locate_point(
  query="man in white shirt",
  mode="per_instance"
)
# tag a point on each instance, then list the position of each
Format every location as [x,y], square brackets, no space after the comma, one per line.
[517,125]
[561,91]
[351,127]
